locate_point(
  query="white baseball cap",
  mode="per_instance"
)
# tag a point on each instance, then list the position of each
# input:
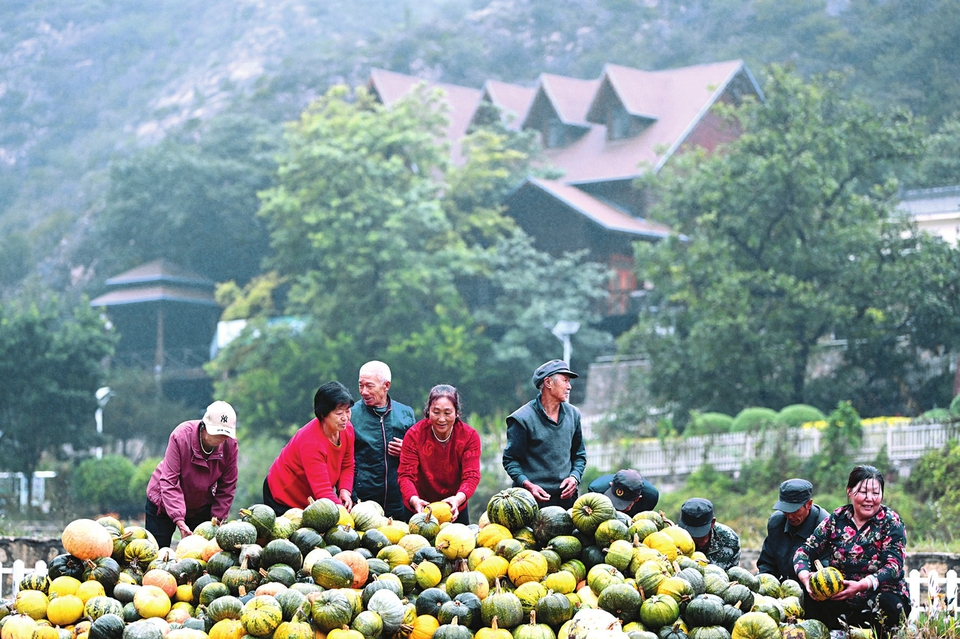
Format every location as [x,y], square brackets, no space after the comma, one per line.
[221,419]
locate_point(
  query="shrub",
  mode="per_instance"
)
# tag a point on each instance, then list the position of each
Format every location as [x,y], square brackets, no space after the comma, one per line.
[140,479]
[754,418]
[708,424]
[101,484]
[796,415]
[955,406]
[935,414]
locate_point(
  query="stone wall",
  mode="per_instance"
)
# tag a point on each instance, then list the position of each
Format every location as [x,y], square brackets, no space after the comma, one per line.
[29,549]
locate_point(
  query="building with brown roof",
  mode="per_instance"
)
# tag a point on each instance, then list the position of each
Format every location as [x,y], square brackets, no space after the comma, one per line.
[166,316]
[602,134]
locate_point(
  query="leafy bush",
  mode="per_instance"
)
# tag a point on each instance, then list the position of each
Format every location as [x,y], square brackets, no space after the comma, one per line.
[101,485]
[937,413]
[140,479]
[708,424]
[955,406]
[752,419]
[796,415]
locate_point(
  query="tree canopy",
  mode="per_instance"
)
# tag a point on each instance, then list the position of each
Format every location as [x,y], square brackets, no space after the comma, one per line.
[50,364]
[384,250]
[787,241]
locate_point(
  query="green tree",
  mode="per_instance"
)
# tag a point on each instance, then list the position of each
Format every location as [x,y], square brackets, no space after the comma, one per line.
[50,367]
[139,411]
[191,199]
[784,238]
[101,485]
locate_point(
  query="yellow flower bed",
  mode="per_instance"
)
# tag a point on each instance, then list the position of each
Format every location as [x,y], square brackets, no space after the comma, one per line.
[870,421]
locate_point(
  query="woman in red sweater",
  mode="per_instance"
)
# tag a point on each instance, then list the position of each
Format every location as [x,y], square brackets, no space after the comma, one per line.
[440,458]
[318,460]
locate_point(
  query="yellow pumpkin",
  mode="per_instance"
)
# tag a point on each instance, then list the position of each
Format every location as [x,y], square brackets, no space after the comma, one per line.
[32,602]
[424,626]
[682,539]
[18,626]
[428,575]
[527,565]
[664,543]
[64,585]
[227,629]
[455,541]
[151,601]
[561,581]
[442,511]
[492,534]
[64,610]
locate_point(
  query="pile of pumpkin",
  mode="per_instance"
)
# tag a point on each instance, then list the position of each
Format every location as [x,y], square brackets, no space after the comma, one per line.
[322,573]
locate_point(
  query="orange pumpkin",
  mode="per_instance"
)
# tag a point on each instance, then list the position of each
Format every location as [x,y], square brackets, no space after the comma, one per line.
[86,539]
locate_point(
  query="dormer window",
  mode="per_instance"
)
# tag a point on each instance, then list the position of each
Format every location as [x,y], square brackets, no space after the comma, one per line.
[618,123]
[555,135]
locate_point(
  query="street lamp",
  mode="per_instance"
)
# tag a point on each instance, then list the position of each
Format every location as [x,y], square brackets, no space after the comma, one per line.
[103,396]
[563,330]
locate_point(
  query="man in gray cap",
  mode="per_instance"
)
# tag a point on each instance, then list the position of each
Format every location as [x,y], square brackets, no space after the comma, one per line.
[628,490]
[719,543]
[545,452]
[794,519]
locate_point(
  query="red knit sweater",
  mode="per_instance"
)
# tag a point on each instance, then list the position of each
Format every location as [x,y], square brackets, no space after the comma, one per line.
[433,470]
[311,466]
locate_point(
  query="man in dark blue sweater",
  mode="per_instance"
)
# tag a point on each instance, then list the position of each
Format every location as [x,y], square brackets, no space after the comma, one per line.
[545,452]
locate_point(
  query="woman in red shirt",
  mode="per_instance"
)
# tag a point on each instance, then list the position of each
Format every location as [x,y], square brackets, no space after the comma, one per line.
[440,458]
[318,460]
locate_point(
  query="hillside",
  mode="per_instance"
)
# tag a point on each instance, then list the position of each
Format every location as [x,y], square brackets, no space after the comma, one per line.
[88,83]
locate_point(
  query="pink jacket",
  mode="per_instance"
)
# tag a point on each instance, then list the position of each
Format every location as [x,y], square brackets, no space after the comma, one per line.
[186,481]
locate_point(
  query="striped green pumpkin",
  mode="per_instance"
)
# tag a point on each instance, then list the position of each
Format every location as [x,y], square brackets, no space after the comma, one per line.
[513,508]
[261,615]
[825,583]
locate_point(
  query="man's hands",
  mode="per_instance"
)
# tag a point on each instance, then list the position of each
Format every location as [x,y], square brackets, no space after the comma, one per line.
[393,447]
[568,488]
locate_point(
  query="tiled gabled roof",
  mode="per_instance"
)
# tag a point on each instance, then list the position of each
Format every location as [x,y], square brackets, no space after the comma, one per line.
[512,99]
[568,98]
[390,87]
[600,212]
[678,99]
[160,271]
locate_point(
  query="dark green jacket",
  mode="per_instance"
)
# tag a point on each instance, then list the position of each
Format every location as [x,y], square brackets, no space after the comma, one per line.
[776,556]
[375,477]
[542,450]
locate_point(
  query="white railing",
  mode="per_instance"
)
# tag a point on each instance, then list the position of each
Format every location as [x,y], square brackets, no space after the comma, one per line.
[681,456]
[941,595]
[17,571]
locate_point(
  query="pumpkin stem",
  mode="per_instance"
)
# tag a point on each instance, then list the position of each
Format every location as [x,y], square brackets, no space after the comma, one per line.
[493,623]
[819,565]
[533,617]
[636,540]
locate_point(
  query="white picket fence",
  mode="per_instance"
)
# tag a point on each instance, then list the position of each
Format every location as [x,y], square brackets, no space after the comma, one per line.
[727,452]
[941,593]
[11,575]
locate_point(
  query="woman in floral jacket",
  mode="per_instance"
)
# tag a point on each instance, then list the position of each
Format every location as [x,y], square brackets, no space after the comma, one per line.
[864,540]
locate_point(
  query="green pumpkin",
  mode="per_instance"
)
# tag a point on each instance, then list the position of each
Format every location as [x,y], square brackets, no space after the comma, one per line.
[591,510]
[142,630]
[331,609]
[603,576]
[212,591]
[622,600]
[534,630]
[227,607]
[331,573]
[306,539]
[108,626]
[207,529]
[452,631]
[555,609]
[291,602]
[456,610]
[512,508]
[659,611]
[550,522]
[431,600]
[381,584]
[424,524]
[567,546]
[282,551]
[261,516]
[321,515]
[695,578]
[738,593]
[709,632]
[234,534]
[505,606]
[704,610]
[221,561]
[610,531]
[241,580]
[261,615]
[97,607]
[294,630]
[368,623]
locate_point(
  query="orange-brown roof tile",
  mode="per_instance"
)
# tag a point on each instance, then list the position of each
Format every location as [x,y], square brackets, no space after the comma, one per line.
[600,212]
[514,100]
